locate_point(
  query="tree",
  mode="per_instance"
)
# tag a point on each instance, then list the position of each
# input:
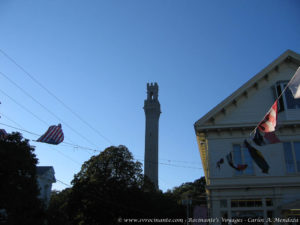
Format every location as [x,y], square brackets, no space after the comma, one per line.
[58,206]
[18,187]
[193,190]
[103,189]
[108,187]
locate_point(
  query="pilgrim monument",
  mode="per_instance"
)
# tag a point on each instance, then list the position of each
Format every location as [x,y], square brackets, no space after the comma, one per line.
[152,112]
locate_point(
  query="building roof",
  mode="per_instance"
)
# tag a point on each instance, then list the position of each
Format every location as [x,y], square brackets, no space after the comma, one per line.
[288,55]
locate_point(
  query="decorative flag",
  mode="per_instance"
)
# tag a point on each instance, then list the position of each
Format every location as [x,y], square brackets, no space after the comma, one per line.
[258,158]
[265,138]
[294,84]
[54,135]
[269,122]
[221,161]
[242,167]
[239,167]
[3,134]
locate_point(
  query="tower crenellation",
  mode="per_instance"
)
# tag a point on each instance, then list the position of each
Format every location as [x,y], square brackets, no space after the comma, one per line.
[152,91]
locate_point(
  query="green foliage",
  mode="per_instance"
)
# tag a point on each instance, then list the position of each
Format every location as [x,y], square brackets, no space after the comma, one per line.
[110,186]
[18,186]
[58,206]
[192,190]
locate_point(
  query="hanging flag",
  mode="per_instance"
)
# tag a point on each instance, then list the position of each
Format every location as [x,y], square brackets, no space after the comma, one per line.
[221,161]
[54,135]
[294,84]
[3,134]
[239,167]
[258,158]
[269,122]
[265,138]
[271,138]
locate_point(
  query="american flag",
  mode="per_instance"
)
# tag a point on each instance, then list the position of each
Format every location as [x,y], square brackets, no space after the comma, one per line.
[54,135]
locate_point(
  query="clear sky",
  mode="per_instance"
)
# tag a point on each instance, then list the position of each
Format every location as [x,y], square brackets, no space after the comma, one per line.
[97,57]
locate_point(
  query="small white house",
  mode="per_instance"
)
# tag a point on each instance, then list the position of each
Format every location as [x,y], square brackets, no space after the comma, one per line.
[45,178]
[251,196]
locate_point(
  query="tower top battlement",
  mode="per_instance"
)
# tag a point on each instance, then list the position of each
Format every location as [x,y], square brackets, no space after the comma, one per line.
[152,91]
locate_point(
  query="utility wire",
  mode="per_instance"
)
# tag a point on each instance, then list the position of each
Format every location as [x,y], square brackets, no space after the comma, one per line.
[171,160]
[67,107]
[45,108]
[95,150]
[63,183]
[66,156]
[66,143]
[23,107]
[5,116]
[54,96]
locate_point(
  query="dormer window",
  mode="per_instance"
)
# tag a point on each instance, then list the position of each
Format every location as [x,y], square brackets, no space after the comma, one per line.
[286,101]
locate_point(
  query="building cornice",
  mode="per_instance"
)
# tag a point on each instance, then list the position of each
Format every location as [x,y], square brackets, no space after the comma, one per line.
[247,186]
[244,127]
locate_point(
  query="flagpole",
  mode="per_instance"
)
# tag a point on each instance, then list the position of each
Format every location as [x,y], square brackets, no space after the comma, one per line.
[288,84]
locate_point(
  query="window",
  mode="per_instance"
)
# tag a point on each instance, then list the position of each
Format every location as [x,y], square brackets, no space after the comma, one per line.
[287,101]
[246,203]
[292,156]
[269,202]
[241,156]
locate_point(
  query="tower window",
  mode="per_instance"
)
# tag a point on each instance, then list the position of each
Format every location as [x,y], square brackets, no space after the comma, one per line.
[151,95]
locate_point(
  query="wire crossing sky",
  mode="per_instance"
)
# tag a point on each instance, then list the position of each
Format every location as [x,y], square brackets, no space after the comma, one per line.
[85,64]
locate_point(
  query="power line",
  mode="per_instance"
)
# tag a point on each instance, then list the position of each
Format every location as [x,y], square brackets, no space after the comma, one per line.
[5,116]
[45,108]
[63,183]
[54,96]
[179,161]
[95,150]
[24,108]
[66,143]
[68,157]
[169,164]
[27,110]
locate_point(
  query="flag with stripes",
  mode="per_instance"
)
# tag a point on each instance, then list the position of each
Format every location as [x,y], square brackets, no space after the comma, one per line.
[268,124]
[54,135]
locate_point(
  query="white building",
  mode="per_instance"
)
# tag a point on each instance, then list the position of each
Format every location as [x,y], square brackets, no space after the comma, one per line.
[252,194]
[45,178]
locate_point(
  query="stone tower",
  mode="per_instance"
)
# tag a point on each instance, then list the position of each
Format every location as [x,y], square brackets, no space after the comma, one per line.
[152,112]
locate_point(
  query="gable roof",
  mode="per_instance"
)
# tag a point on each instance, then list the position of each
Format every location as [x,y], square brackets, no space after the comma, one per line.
[288,55]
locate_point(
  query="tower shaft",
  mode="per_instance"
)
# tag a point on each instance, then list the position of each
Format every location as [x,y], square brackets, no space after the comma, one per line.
[152,113]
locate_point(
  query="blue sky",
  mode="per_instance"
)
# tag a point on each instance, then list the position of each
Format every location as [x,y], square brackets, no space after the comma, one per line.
[97,57]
